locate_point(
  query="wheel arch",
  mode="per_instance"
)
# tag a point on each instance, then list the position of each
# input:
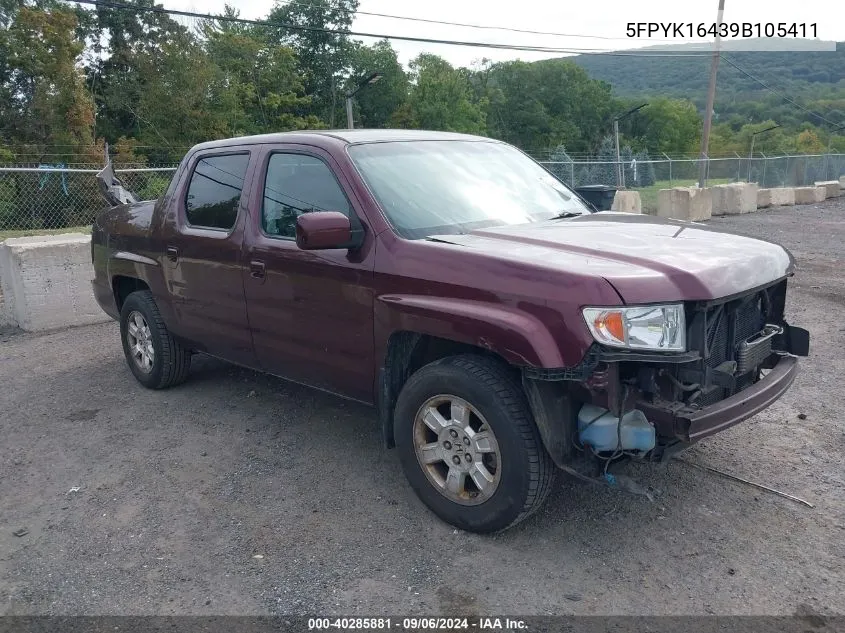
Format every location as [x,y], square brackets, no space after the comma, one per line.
[413,330]
[406,352]
[128,272]
[123,286]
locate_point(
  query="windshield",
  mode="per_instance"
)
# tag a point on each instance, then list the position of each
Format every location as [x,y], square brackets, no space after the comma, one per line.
[450,187]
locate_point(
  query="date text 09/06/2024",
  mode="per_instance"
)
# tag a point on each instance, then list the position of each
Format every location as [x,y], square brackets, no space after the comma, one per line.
[723,29]
[417,624]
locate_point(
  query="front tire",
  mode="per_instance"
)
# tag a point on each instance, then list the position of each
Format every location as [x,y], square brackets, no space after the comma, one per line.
[155,358]
[469,446]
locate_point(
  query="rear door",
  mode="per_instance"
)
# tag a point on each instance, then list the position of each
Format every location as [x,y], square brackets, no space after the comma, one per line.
[203,239]
[311,312]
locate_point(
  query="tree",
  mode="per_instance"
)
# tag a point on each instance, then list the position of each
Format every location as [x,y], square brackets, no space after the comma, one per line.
[539,105]
[45,99]
[132,39]
[725,140]
[442,98]
[321,45]
[173,110]
[671,126]
[377,103]
[808,143]
[257,86]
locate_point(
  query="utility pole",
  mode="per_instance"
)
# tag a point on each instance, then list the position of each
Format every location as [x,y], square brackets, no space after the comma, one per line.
[711,99]
[751,153]
[620,170]
[349,122]
[618,156]
[366,81]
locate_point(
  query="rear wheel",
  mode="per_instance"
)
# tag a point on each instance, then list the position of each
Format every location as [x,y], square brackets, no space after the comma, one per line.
[155,358]
[469,445]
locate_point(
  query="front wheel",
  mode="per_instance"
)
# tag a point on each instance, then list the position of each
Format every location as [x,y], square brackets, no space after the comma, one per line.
[469,446]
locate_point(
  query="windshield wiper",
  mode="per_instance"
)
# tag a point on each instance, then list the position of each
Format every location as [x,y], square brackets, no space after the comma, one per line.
[567,214]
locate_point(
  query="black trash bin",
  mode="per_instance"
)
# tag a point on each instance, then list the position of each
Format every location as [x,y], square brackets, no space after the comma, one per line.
[600,197]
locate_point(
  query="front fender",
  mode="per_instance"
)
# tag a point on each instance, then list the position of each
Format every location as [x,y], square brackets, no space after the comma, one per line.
[535,338]
[516,335]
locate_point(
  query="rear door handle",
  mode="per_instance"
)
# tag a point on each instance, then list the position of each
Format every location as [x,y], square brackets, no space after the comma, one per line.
[172,253]
[257,269]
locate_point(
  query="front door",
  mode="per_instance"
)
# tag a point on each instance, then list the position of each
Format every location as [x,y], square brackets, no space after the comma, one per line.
[202,239]
[311,312]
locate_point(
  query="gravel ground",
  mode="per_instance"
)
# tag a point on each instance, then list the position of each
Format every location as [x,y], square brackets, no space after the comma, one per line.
[240,494]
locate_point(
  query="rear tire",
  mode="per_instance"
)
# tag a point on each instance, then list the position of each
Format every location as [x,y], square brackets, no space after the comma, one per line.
[155,358]
[469,446]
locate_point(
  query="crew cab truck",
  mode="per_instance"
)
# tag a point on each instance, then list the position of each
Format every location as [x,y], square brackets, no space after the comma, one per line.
[503,331]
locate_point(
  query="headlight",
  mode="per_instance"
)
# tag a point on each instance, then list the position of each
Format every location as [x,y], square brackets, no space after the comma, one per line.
[660,328]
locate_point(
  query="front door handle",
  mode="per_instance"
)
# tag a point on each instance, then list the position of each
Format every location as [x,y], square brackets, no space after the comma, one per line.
[257,269]
[172,253]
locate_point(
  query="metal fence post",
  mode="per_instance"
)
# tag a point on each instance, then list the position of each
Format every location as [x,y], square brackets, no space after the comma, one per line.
[763,179]
[571,174]
[670,168]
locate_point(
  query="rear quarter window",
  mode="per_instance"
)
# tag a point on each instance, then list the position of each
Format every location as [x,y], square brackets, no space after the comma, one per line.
[214,191]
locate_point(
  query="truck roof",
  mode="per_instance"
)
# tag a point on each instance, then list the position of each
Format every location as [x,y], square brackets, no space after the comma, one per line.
[343,137]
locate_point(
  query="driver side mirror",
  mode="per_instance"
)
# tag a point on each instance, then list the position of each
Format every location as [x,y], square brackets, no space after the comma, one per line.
[323,230]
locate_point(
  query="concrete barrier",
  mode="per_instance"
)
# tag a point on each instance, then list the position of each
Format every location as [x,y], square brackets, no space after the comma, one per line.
[809,195]
[627,202]
[842,183]
[831,187]
[685,203]
[777,197]
[46,282]
[734,198]
[5,313]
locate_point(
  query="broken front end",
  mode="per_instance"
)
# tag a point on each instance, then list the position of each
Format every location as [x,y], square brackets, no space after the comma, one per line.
[726,360]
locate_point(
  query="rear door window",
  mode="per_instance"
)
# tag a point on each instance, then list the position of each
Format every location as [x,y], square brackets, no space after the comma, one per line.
[214,193]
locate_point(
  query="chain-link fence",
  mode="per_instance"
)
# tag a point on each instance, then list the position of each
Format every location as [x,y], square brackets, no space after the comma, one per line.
[649,176]
[34,198]
[768,171]
[44,198]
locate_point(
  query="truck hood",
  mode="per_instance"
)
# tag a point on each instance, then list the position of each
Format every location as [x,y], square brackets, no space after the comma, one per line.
[645,258]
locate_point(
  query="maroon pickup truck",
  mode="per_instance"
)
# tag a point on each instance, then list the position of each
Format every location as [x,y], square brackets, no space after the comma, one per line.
[503,331]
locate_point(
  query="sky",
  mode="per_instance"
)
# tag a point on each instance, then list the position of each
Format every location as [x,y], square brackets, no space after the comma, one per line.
[604,21]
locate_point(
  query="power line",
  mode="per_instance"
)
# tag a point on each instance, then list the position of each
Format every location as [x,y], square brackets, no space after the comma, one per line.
[405,38]
[479,26]
[776,92]
[770,75]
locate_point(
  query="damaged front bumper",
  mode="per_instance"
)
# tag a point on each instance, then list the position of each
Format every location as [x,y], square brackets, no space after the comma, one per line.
[675,420]
[623,381]
[741,356]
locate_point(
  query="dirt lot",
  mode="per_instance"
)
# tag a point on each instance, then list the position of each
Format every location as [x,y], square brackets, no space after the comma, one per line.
[240,494]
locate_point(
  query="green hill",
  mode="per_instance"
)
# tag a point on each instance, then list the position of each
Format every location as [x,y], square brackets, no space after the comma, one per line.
[807,75]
